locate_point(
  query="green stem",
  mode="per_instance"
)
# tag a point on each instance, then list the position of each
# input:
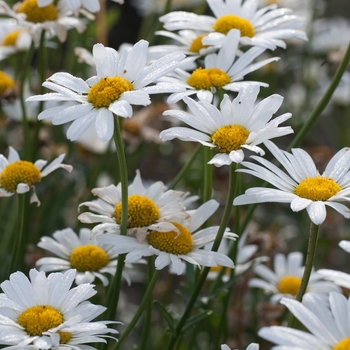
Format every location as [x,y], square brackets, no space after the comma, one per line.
[208,175]
[323,102]
[114,288]
[203,276]
[144,302]
[17,260]
[311,249]
[185,168]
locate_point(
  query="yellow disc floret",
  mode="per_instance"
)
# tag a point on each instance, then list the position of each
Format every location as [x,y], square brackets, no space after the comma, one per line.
[10,38]
[172,242]
[206,79]
[197,44]
[289,285]
[230,138]
[225,23]
[6,82]
[88,258]
[65,337]
[317,188]
[108,90]
[142,211]
[343,344]
[38,319]
[18,172]
[38,14]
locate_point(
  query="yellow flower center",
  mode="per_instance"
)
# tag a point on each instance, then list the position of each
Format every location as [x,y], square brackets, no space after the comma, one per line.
[65,337]
[88,258]
[230,138]
[11,38]
[197,44]
[142,211]
[38,14]
[289,285]
[317,188]
[343,344]
[6,82]
[108,90]
[225,23]
[205,79]
[172,242]
[18,172]
[38,319]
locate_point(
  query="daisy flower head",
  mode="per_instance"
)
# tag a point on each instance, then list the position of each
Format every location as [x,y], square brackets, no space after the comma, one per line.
[7,84]
[175,246]
[44,312]
[75,5]
[239,125]
[302,186]
[90,258]
[222,71]
[149,208]
[285,279]
[252,346]
[19,176]
[327,323]
[122,80]
[266,27]
[54,19]
[13,38]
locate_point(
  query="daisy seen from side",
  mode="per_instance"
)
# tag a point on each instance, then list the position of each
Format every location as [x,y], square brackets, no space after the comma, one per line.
[20,176]
[285,278]
[266,27]
[149,208]
[239,125]
[7,84]
[44,312]
[327,323]
[174,247]
[122,80]
[221,71]
[301,185]
[90,258]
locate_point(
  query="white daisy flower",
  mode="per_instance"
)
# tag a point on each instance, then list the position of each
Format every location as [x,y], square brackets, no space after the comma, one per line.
[75,5]
[55,20]
[149,208]
[45,313]
[121,80]
[302,186]
[173,247]
[6,83]
[252,346]
[328,325]
[13,38]
[19,176]
[266,27]
[285,279]
[222,70]
[238,125]
[90,258]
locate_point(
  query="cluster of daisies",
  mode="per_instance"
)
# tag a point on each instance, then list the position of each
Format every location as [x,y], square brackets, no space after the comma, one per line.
[205,72]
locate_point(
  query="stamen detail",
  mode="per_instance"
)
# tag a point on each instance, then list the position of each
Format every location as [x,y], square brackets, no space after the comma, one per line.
[289,285]
[197,44]
[11,38]
[88,258]
[172,242]
[225,23]
[38,14]
[206,79]
[343,344]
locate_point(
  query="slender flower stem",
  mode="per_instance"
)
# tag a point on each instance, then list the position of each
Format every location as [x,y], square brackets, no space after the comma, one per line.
[143,304]
[323,102]
[203,276]
[311,249]
[208,175]
[114,288]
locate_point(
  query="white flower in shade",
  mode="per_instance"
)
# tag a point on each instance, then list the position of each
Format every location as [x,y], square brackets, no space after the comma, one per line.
[252,346]
[19,176]
[90,258]
[149,209]
[54,20]
[121,80]
[46,313]
[327,323]
[266,27]
[285,279]
[238,125]
[13,38]
[175,246]
[221,71]
[302,186]
[75,5]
